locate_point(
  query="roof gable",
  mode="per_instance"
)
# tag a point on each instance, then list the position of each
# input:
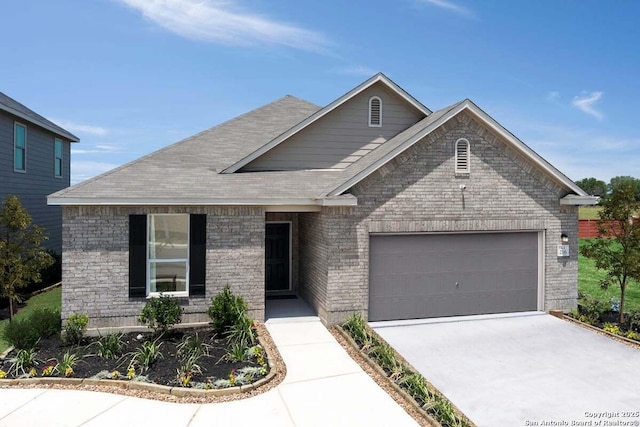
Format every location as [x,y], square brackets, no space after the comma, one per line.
[423,128]
[378,78]
[12,106]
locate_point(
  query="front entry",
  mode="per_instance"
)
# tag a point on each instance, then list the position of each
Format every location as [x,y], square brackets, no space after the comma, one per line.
[277,253]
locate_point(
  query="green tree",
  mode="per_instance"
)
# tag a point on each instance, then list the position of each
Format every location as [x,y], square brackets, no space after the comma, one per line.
[618,182]
[593,186]
[619,254]
[21,255]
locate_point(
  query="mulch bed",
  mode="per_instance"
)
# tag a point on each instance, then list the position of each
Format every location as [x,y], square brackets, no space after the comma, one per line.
[163,371]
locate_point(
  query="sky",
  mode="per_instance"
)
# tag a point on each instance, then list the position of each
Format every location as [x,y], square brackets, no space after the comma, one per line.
[131,76]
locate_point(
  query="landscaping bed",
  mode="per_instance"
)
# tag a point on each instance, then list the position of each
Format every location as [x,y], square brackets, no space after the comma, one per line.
[605,316]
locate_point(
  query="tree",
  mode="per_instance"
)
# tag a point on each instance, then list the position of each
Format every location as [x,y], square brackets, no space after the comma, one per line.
[21,255]
[593,187]
[618,255]
[618,182]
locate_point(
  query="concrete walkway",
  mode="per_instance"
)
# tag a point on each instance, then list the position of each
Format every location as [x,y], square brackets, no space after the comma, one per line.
[323,387]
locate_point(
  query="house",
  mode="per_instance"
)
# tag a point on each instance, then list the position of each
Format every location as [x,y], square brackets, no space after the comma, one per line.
[372,204]
[34,162]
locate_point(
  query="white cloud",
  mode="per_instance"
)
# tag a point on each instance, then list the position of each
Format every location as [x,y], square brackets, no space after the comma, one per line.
[85,169]
[223,21]
[585,103]
[99,149]
[450,6]
[81,128]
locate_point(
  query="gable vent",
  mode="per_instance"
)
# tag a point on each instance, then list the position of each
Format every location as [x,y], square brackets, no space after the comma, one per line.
[375,112]
[462,156]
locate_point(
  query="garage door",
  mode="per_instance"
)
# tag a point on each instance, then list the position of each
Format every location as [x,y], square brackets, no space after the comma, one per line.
[436,275]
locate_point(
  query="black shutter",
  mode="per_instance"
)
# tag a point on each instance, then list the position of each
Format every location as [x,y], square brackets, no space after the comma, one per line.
[137,256]
[197,254]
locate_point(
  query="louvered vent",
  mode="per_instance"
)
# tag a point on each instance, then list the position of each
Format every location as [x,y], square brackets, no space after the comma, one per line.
[375,112]
[462,156]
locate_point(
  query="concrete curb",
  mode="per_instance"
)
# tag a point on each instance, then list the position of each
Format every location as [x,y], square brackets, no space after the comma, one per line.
[151,387]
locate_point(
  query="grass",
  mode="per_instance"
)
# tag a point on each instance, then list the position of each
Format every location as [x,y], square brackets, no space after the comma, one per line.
[589,212]
[589,278]
[51,299]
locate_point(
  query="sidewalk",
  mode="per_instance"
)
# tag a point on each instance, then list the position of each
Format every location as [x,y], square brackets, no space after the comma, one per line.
[323,387]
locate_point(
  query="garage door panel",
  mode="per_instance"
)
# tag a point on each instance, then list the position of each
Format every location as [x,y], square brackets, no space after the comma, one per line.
[434,275]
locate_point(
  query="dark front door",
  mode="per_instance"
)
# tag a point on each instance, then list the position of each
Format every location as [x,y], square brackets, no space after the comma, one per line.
[277,257]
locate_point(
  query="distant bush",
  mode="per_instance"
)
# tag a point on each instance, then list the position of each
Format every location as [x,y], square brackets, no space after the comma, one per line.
[46,322]
[21,334]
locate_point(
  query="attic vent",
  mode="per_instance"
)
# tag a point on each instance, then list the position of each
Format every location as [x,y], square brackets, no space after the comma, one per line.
[462,156]
[375,112]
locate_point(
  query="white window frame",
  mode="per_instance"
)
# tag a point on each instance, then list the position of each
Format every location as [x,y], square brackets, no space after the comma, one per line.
[15,147]
[467,148]
[55,158]
[155,294]
[379,124]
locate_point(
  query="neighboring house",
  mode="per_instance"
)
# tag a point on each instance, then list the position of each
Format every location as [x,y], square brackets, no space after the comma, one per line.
[34,162]
[371,204]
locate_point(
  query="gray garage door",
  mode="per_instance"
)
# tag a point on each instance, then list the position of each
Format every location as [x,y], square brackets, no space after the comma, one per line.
[436,275]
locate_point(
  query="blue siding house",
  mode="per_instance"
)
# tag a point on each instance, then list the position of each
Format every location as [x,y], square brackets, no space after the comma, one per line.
[34,162]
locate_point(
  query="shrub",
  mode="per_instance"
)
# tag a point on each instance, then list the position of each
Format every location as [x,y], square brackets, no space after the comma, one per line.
[633,335]
[633,320]
[592,309]
[226,310]
[21,334]
[75,328]
[161,313]
[612,328]
[46,322]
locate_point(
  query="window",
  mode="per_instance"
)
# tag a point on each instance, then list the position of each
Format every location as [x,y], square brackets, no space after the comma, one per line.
[57,162]
[168,237]
[20,148]
[167,253]
[462,156]
[375,112]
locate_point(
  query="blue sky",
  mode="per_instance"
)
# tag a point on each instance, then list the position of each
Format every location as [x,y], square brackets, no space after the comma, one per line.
[131,76]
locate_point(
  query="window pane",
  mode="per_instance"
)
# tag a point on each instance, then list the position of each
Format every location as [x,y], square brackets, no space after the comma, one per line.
[20,136]
[58,167]
[19,159]
[168,276]
[168,236]
[58,148]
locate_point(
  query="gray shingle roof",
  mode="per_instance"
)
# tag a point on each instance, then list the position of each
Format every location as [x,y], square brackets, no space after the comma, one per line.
[12,106]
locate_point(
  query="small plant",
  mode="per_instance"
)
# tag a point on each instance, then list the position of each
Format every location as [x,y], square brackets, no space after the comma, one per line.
[232,377]
[444,413]
[184,378]
[114,375]
[191,345]
[50,369]
[109,346]
[21,334]
[161,313]
[23,362]
[633,335]
[68,362]
[417,387]
[356,326]
[592,309]
[612,328]
[75,328]
[32,373]
[145,355]
[236,353]
[386,358]
[633,320]
[46,322]
[225,310]
[3,374]
[190,364]
[131,372]
[242,332]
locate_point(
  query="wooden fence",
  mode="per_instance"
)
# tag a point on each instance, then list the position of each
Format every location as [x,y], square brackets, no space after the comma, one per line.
[588,228]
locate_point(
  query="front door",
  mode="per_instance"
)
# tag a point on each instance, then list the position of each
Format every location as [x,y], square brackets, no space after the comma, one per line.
[277,257]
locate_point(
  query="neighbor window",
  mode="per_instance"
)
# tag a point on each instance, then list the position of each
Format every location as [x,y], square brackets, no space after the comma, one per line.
[375,112]
[20,147]
[462,156]
[57,162]
[168,253]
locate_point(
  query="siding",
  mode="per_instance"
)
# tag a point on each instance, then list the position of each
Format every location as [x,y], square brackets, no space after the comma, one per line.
[39,181]
[341,137]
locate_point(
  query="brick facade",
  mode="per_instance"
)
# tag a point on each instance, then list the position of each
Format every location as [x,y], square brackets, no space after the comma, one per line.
[95,266]
[419,191]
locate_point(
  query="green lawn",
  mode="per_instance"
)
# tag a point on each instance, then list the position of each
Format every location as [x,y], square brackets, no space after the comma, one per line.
[589,284]
[51,299]
[589,212]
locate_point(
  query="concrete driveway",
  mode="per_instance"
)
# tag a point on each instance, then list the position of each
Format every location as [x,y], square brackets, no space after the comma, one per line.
[524,369]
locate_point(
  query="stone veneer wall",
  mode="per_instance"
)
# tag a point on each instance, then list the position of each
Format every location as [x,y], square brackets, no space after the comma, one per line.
[95,265]
[314,256]
[419,191]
